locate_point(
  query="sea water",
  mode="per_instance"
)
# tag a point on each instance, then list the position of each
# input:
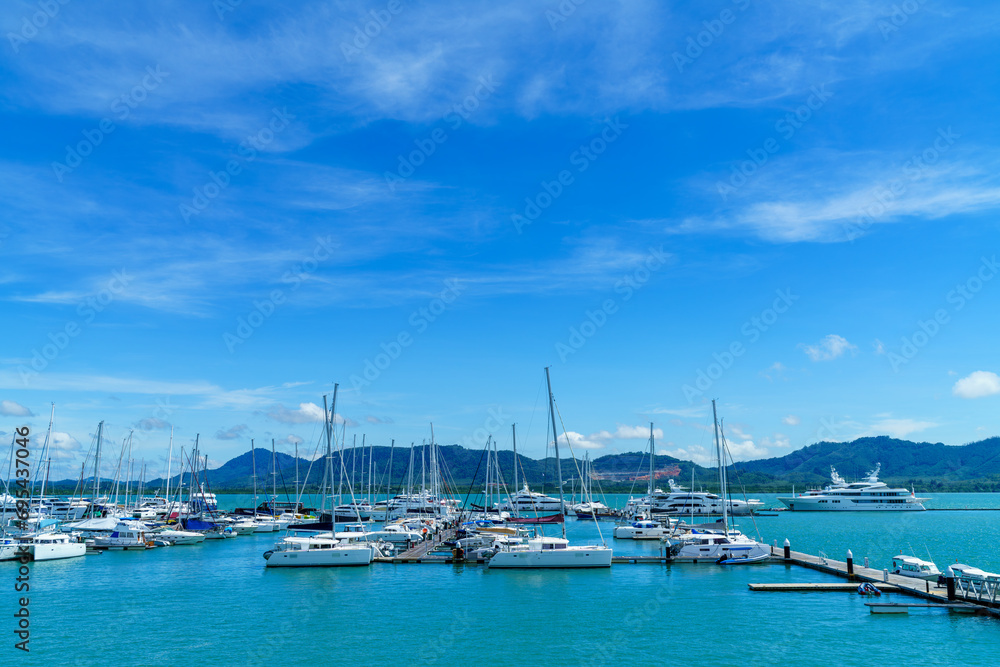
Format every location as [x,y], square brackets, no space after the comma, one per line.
[216,604]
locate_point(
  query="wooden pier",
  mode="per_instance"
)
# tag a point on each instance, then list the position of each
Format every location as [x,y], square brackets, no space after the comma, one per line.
[982,599]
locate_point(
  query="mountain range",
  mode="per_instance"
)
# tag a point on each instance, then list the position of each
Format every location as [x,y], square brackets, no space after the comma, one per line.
[927,466]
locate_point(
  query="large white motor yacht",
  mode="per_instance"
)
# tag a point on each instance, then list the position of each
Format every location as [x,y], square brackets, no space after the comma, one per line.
[866,496]
[526,500]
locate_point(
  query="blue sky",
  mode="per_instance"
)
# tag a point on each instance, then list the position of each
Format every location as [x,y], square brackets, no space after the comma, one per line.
[212,214]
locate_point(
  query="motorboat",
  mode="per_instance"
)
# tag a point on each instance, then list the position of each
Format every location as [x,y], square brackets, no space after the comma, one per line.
[868,495]
[176,537]
[526,500]
[969,573]
[715,547]
[11,549]
[680,502]
[318,551]
[125,537]
[643,529]
[549,552]
[54,546]
[908,566]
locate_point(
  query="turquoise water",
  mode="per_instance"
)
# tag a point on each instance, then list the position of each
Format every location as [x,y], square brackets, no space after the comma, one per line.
[216,604]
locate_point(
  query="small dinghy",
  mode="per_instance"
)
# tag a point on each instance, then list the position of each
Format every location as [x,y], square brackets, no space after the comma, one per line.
[868,588]
[744,560]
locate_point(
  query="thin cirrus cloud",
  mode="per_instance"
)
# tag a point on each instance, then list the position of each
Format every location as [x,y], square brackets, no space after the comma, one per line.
[977,385]
[14,409]
[828,349]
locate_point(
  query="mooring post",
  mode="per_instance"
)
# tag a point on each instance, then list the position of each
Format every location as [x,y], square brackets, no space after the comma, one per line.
[788,549]
[949,578]
[850,565]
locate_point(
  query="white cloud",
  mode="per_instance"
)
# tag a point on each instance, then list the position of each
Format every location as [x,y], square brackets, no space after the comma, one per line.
[694,453]
[14,409]
[305,414]
[899,428]
[831,347]
[792,420]
[977,385]
[152,423]
[878,346]
[580,441]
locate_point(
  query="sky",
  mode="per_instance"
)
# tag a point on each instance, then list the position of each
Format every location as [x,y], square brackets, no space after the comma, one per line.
[214,213]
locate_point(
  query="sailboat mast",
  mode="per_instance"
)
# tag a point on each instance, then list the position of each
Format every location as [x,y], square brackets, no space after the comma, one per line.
[97,463]
[652,453]
[253,464]
[45,450]
[513,435]
[722,470]
[274,478]
[170,455]
[555,439]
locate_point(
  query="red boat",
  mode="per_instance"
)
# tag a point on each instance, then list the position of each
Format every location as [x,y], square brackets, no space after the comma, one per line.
[553,518]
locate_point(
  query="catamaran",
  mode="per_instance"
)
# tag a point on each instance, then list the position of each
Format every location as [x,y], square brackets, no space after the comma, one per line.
[550,552]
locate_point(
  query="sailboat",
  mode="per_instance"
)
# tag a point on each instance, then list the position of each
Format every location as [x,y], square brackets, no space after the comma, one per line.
[728,547]
[550,552]
[645,528]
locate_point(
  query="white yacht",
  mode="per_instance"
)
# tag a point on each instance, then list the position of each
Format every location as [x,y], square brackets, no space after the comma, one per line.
[9,548]
[549,552]
[53,546]
[908,566]
[526,500]
[715,547]
[642,529]
[869,495]
[318,551]
[175,537]
[679,501]
[969,573]
[125,537]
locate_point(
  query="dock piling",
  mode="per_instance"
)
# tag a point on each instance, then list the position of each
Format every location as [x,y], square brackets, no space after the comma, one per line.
[788,549]
[850,565]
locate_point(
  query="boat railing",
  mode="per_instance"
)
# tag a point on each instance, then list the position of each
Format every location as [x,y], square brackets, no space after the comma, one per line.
[977,587]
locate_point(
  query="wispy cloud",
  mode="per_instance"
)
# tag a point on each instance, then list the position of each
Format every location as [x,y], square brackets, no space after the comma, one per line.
[828,349]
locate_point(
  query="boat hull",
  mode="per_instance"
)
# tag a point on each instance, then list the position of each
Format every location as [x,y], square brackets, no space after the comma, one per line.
[805,504]
[573,557]
[58,551]
[340,557]
[712,553]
